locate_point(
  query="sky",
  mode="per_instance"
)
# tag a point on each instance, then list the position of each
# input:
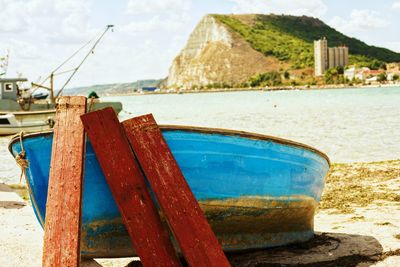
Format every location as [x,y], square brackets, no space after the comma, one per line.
[149,34]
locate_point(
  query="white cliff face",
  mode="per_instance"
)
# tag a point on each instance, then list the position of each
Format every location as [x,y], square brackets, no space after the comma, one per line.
[213,54]
[187,69]
[207,31]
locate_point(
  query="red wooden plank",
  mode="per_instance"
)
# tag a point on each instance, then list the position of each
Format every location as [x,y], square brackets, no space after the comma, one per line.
[63,208]
[127,184]
[192,231]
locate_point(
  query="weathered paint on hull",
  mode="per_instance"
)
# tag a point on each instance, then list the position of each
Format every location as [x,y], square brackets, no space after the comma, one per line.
[273,223]
[255,191]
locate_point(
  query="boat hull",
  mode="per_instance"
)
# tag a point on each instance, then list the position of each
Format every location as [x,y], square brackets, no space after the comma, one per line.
[256,191]
[7,106]
[38,119]
[28,121]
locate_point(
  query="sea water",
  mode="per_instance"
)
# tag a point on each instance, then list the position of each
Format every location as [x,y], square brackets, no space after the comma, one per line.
[349,125]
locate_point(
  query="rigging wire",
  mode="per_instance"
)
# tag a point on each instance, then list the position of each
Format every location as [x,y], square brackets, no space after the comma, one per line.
[68,59]
[84,59]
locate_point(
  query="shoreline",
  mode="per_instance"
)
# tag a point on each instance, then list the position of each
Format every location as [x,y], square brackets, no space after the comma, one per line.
[257,89]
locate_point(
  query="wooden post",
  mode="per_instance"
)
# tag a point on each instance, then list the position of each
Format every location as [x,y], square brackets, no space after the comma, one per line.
[192,231]
[128,186]
[63,208]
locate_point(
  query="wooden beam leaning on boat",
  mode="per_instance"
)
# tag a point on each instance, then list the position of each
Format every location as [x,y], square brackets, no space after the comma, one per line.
[128,187]
[187,221]
[64,198]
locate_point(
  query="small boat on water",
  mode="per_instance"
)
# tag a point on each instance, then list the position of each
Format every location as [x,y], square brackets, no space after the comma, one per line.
[39,96]
[256,191]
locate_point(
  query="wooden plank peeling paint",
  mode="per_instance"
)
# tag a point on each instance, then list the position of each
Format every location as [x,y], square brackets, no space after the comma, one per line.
[127,184]
[188,223]
[63,208]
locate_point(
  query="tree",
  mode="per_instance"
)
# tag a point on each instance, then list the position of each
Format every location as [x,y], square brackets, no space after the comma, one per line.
[375,64]
[286,75]
[340,69]
[330,75]
[4,63]
[395,77]
[272,78]
[381,77]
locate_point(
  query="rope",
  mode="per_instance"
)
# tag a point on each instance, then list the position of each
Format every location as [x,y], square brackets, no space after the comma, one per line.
[20,158]
[24,163]
[22,104]
[91,104]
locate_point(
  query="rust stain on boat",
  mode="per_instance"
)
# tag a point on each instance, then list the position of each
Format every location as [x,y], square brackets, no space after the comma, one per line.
[239,223]
[252,215]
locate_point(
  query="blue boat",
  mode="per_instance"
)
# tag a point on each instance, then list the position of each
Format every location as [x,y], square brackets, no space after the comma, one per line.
[256,191]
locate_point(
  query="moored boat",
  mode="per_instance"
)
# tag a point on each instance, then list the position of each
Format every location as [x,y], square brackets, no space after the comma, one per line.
[24,108]
[256,191]
[20,112]
[35,121]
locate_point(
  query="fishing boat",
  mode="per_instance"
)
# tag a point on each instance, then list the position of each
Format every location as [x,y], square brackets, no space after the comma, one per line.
[23,108]
[33,121]
[256,191]
[20,112]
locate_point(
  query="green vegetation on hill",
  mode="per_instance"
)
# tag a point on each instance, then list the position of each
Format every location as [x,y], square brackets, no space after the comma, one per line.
[290,38]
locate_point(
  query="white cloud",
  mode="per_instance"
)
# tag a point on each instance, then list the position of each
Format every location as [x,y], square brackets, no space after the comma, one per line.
[157,6]
[154,24]
[42,33]
[396,5]
[11,21]
[62,20]
[395,46]
[157,15]
[314,8]
[360,20]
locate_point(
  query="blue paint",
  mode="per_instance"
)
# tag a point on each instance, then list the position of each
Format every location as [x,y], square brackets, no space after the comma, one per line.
[216,166]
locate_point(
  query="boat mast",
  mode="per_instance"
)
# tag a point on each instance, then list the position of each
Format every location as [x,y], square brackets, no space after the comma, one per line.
[84,59]
[53,73]
[52,100]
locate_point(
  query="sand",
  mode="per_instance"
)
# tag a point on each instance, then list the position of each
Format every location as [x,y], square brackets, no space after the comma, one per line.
[357,224]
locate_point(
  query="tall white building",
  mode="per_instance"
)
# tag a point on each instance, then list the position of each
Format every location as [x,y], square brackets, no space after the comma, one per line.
[329,57]
[320,56]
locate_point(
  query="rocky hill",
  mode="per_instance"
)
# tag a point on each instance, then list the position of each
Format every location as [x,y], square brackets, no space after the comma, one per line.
[112,89]
[230,50]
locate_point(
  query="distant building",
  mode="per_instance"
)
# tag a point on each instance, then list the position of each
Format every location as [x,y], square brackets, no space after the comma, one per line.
[329,57]
[350,74]
[320,56]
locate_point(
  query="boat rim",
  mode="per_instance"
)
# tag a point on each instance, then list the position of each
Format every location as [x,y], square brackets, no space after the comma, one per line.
[29,112]
[207,130]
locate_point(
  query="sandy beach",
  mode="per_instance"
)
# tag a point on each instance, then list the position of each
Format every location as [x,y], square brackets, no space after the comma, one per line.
[357,224]
[358,220]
